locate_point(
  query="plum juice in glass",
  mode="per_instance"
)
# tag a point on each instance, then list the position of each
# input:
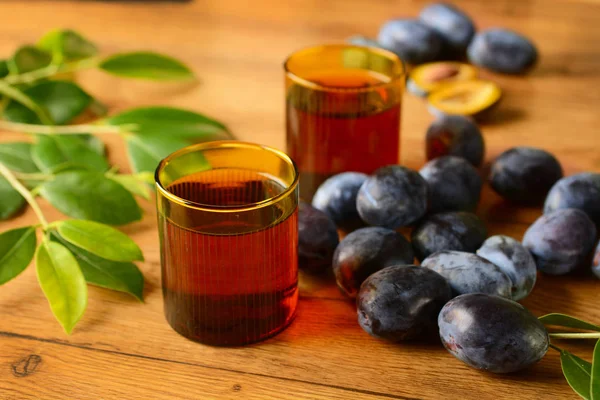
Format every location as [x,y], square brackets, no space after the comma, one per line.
[342,111]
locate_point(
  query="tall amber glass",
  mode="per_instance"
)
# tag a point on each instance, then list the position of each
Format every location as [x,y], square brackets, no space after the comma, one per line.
[342,111]
[227,217]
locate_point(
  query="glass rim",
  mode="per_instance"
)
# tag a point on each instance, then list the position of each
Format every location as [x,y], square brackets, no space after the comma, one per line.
[226,144]
[316,86]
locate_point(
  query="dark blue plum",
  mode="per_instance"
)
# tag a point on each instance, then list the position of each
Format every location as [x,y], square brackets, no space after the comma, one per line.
[413,41]
[392,197]
[454,26]
[581,191]
[460,231]
[596,262]
[561,240]
[337,198]
[469,273]
[454,184]
[492,333]
[366,251]
[524,175]
[514,260]
[317,239]
[401,302]
[454,135]
[502,51]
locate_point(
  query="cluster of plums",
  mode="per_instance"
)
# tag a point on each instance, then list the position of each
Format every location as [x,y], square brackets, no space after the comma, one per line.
[444,32]
[435,46]
[467,283]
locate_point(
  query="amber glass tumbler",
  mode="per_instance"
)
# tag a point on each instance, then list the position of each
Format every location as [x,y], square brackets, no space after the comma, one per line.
[227,217]
[342,111]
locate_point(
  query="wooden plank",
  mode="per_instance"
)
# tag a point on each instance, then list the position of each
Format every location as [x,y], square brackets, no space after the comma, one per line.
[324,345]
[33,369]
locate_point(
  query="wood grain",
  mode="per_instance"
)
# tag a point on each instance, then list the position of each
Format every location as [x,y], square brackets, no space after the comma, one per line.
[124,349]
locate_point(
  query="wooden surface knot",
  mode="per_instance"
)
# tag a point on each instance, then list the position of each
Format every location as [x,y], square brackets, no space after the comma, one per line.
[26,365]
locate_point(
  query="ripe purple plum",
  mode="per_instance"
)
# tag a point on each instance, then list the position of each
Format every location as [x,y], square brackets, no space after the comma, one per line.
[317,239]
[492,333]
[455,135]
[454,184]
[469,273]
[561,240]
[502,50]
[392,197]
[366,251]
[581,191]
[514,260]
[453,25]
[461,231]
[524,175]
[337,198]
[401,302]
[412,40]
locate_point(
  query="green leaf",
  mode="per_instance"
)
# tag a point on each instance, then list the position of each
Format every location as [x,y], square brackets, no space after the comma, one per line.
[172,122]
[92,142]
[51,151]
[577,372]
[21,98]
[10,200]
[17,248]
[145,153]
[568,321]
[17,156]
[62,282]
[133,185]
[3,68]
[62,99]
[67,45]
[101,240]
[146,65]
[121,276]
[146,177]
[595,374]
[29,58]
[92,196]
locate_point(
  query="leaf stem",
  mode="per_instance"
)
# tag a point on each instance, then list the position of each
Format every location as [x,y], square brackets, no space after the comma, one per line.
[51,70]
[32,176]
[555,347]
[25,193]
[20,97]
[59,130]
[595,335]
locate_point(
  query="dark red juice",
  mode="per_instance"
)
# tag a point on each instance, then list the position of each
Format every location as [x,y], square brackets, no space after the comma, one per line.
[230,278]
[344,127]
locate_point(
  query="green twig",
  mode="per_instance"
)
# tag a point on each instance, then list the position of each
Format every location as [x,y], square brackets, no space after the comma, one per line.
[22,98]
[10,177]
[60,130]
[51,70]
[37,176]
[595,335]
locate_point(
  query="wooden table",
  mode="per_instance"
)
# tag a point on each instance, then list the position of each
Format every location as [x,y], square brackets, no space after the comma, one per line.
[125,350]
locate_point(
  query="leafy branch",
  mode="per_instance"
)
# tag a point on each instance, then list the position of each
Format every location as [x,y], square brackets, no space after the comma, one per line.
[66,165]
[582,376]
